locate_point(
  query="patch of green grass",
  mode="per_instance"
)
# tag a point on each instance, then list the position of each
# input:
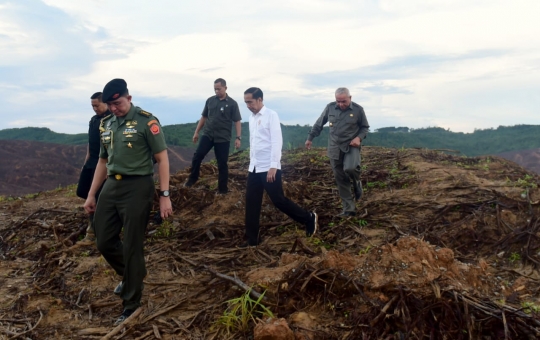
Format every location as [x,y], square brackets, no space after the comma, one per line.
[164,230]
[530,307]
[241,311]
[319,243]
[31,196]
[365,250]
[515,257]
[376,184]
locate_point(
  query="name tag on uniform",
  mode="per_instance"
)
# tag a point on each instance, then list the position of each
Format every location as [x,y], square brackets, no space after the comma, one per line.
[129,131]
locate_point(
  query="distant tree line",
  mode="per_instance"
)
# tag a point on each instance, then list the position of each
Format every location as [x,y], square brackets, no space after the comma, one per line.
[480,142]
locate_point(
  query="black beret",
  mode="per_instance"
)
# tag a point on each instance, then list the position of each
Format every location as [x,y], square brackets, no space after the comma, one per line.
[114,90]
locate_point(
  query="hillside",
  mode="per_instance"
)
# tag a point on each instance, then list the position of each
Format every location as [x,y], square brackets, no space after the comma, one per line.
[29,167]
[480,142]
[444,247]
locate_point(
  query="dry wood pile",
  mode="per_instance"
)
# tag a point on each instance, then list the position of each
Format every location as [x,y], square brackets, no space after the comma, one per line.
[444,247]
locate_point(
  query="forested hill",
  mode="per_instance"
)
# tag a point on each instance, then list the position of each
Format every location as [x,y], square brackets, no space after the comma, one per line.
[480,142]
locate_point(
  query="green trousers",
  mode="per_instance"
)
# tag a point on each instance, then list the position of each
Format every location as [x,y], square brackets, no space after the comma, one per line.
[125,203]
[346,172]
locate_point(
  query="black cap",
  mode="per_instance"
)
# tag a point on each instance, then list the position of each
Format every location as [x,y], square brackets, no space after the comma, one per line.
[114,90]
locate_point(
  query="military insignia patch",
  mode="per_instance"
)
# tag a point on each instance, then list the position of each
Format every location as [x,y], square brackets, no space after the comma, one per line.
[154,129]
[116,96]
[145,113]
[153,121]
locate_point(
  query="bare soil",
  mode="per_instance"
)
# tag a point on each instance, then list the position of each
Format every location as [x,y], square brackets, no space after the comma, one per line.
[443,247]
[29,167]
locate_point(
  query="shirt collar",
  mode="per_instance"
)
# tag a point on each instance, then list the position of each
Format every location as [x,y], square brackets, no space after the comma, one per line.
[350,106]
[261,112]
[225,99]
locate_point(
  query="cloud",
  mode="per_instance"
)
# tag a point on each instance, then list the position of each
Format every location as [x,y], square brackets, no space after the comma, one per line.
[458,64]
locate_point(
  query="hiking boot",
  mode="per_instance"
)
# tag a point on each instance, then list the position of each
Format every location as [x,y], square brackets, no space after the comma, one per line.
[118,289]
[312,225]
[358,191]
[189,183]
[125,314]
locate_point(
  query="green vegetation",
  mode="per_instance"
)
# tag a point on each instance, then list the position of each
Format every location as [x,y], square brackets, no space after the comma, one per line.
[240,311]
[480,142]
[515,257]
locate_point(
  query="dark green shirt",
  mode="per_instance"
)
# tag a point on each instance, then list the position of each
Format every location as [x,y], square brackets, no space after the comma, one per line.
[129,142]
[344,127]
[219,117]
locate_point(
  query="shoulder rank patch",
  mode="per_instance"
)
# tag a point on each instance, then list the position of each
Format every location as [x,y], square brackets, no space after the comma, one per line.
[153,121]
[154,129]
[145,113]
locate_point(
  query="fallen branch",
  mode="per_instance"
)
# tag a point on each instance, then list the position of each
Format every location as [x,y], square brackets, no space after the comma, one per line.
[236,281]
[31,329]
[121,326]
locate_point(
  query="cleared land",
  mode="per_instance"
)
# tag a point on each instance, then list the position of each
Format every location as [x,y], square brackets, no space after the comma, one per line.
[444,247]
[29,167]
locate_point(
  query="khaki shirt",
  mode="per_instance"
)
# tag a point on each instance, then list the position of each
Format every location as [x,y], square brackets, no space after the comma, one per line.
[129,142]
[344,127]
[219,117]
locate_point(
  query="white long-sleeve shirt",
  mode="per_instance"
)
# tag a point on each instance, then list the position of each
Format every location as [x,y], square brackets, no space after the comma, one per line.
[265,141]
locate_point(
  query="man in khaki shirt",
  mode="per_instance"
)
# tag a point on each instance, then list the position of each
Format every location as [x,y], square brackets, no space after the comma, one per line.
[348,128]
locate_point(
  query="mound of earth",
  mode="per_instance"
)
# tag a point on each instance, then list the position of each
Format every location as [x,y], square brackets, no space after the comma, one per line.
[443,247]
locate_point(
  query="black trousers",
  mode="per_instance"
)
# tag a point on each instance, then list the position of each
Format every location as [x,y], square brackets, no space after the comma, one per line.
[125,204]
[85,182]
[256,185]
[221,150]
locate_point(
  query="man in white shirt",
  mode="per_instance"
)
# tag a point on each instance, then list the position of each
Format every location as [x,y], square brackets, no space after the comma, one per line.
[265,143]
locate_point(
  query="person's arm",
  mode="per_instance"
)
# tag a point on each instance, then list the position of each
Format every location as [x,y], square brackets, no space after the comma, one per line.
[87,153]
[276,141]
[165,205]
[362,133]
[238,128]
[317,127]
[198,128]
[99,176]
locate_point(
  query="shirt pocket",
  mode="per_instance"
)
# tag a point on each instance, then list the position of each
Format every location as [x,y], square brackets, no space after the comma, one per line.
[351,118]
[106,137]
[212,109]
[332,120]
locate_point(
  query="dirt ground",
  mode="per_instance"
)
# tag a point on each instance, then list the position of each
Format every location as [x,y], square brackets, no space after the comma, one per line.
[443,247]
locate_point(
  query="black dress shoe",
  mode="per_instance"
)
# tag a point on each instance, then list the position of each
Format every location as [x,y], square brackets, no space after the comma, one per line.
[312,225]
[347,214]
[358,191]
[125,314]
[189,183]
[118,289]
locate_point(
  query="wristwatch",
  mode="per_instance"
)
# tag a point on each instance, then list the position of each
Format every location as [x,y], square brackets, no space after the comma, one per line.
[164,193]
[239,138]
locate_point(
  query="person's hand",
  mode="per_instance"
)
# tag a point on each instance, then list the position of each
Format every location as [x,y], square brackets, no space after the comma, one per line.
[90,204]
[308,144]
[195,137]
[271,175]
[237,144]
[165,207]
[355,142]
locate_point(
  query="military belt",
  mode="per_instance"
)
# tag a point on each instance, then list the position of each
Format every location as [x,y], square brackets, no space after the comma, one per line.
[120,177]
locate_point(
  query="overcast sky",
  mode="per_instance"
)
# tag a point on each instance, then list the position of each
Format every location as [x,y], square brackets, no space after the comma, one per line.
[454,64]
